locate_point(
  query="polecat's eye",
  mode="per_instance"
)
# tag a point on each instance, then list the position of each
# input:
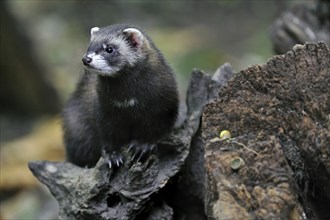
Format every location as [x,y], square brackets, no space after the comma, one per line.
[109,49]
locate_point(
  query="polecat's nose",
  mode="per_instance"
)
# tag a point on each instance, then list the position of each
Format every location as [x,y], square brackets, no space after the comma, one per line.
[86,60]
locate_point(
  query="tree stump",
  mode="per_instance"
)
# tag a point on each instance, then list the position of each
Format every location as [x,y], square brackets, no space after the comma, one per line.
[276,164]
[133,191]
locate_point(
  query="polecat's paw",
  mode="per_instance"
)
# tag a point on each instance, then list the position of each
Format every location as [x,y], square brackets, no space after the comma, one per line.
[141,151]
[113,158]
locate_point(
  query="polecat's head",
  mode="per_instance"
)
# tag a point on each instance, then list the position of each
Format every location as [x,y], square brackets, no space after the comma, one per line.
[113,48]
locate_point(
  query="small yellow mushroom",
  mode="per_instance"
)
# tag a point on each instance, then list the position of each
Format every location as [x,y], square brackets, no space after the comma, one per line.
[225,134]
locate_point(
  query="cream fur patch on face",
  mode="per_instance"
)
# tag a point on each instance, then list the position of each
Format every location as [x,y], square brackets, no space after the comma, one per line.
[100,65]
[127,53]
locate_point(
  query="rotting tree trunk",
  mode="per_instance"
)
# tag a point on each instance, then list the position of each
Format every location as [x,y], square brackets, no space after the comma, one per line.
[276,166]
[133,190]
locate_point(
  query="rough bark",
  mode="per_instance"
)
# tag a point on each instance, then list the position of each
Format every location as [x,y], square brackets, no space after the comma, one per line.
[305,22]
[133,191]
[186,192]
[276,166]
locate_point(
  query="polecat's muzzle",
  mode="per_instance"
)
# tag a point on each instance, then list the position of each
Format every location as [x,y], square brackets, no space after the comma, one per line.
[86,60]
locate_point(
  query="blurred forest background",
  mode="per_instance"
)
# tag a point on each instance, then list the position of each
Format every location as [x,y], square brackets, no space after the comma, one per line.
[42,43]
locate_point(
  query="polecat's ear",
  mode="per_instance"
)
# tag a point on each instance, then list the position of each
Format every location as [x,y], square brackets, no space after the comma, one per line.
[93,31]
[135,36]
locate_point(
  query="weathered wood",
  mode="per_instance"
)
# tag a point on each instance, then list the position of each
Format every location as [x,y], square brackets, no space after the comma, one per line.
[130,192]
[278,160]
[187,189]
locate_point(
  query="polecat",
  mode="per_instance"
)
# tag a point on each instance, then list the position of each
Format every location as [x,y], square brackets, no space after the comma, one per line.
[127,98]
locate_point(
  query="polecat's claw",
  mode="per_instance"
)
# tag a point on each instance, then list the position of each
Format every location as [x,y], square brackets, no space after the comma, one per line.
[109,163]
[113,158]
[130,147]
[141,151]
